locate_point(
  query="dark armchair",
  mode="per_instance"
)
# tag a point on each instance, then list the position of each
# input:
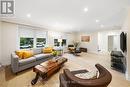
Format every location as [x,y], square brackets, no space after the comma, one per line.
[68,78]
[73,50]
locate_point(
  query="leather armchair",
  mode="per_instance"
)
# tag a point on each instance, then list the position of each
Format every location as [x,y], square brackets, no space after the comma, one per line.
[68,79]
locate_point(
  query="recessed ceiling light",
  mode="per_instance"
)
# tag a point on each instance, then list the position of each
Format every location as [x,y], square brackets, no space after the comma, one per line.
[97,21]
[85,9]
[102,25]
[28,15]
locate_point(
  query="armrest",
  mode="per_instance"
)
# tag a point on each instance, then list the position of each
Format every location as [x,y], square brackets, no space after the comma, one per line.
[102,80]
[14,62]
[63,81]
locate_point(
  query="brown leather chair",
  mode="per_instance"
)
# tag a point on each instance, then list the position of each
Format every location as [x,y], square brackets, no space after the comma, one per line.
[68,78]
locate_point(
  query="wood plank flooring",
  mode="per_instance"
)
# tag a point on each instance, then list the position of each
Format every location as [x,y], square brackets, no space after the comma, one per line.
[84,61]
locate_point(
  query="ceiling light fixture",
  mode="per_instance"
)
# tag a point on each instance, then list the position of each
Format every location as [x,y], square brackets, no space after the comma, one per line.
[85,9]
[97,21]
[29,15]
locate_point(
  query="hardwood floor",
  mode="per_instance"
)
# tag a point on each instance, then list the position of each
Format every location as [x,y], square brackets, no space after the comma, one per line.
[85,61]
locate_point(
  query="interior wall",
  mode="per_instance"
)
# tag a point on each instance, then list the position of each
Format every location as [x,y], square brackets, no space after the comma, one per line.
[59,35]
[103,40]
[9,41]
[126,28]
[128,49]
[31,32]
[99,40]
[110,43]
[0,42]
[71,38]
[92,46]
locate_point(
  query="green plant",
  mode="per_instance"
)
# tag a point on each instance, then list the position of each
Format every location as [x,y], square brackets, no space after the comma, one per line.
[55,53]
[76,44]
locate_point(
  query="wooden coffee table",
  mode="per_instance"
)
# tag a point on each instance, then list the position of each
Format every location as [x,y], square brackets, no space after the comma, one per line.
[46,69]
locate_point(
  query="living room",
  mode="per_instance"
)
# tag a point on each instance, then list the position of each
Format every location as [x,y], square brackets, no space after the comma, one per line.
[78,34]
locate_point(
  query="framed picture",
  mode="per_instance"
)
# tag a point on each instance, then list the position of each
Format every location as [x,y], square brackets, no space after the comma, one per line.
[85,38]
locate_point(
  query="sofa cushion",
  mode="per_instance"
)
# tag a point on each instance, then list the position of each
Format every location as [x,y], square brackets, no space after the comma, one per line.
[41,56]
[27,61]
[37,51]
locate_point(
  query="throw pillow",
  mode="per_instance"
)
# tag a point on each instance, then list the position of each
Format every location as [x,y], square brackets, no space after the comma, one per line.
[87,75]
[19,53]
[47,50]
[27,54]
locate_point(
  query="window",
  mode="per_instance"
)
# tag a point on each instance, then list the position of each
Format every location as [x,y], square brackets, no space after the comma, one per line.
[41,42]
[30,37]
[26,43]
[63,42]
[56,43]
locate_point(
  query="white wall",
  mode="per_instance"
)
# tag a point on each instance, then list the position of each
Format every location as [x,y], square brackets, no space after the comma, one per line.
[31,32]
[0,42]
[126,28]
[59,35]
[54,35]
[103,40]
[92,46]
[9,41]
[128,47]
[99,40]
[70,38]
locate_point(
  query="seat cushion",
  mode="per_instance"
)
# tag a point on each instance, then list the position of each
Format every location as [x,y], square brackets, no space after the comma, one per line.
[42,56]
[27,61]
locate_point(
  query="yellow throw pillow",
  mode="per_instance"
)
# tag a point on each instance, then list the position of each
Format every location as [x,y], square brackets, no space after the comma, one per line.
[19,53]
[27,54]
[47,50]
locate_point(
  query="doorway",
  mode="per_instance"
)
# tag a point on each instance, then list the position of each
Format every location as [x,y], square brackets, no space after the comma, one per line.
[113,43]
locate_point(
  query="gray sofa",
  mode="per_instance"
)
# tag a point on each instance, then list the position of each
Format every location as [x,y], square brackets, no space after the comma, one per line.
[18,64]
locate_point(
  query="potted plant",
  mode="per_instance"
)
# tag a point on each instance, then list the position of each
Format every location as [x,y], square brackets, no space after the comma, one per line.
[55,53]
[76,44]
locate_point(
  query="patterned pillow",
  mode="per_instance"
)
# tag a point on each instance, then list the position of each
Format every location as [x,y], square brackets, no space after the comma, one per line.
[88,75]
[27,54]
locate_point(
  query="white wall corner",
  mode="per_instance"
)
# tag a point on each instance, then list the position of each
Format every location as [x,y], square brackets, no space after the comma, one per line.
[127,76]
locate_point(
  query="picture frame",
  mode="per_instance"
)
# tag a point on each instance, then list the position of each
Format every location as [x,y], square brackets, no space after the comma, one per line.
[85,38]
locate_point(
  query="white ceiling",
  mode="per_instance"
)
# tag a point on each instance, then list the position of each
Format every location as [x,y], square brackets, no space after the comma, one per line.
[69,15]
